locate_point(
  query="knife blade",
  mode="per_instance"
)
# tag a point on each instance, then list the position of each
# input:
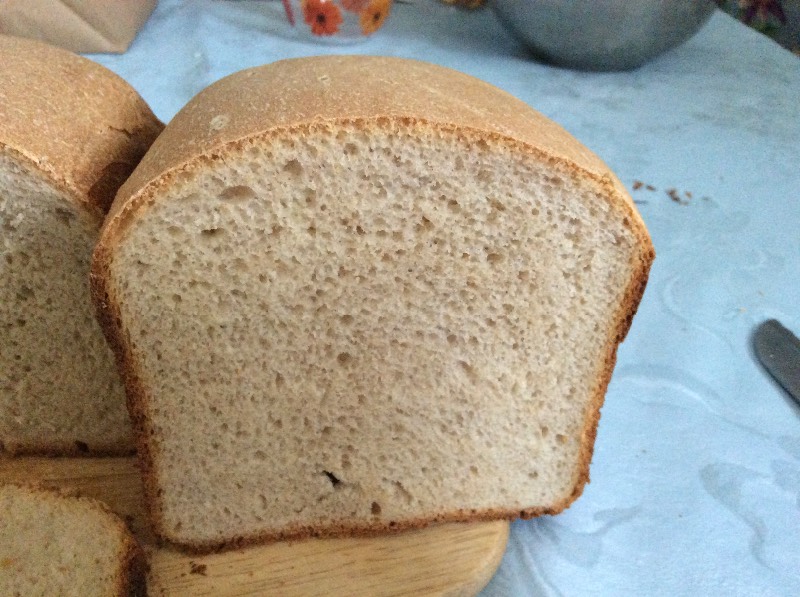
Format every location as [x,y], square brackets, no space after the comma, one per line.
[778,349]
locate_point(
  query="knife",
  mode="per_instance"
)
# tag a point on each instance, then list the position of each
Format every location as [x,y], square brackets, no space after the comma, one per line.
[778,349]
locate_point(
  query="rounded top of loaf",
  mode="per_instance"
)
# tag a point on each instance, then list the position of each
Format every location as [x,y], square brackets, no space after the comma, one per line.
[323,90]
[74,120]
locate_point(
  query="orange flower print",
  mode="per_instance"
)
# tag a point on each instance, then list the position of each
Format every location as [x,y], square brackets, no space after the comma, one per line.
[355,5]
[323,16]
[374,15]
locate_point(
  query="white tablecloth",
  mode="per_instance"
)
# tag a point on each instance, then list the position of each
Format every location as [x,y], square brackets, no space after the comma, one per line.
[696,475]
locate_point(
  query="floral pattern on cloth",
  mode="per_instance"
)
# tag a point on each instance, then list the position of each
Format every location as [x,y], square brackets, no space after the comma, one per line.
[779,19]
[343,18]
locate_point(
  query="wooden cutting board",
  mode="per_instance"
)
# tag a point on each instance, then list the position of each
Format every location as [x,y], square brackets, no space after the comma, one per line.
[452,559]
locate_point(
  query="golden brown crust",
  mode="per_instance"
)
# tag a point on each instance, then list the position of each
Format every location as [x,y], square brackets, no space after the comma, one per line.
[299,533]
[76,121]
[631,298]
[110,319]
[303,91]
[295,97]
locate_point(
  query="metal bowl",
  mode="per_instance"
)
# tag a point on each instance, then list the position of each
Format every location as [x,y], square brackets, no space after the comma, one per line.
[602,34]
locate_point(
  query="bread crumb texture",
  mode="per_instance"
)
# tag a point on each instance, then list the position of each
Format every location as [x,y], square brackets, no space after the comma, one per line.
[369,324]
[56,545]
[71,131]
[59,387]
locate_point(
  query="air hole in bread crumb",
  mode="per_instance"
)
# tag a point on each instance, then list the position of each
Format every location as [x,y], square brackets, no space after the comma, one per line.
[64,216]
[473,469]
[327,430]
[424,224]
[260,455]
[452,338]
[344,358]
[279,381]
[211,232]
[544,430]
[468,369]
[346,319]
[494,258]
[561,439]
[497,205]
[375,508]
[24,293]
[237,193]
[335,481]
[293,167]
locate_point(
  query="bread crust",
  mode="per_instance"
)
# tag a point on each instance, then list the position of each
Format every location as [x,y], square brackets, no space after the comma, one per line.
[292,99]
[91,127]
[130,579]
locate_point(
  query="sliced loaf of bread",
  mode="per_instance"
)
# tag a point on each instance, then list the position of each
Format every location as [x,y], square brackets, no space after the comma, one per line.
[359,294]
[71,132]
[54,544]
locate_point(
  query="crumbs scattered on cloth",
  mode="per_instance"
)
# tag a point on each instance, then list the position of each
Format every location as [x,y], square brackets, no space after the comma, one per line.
[681,198]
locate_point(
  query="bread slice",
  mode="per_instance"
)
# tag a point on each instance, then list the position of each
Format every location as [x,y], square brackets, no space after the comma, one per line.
[53,544]
[357,294]
[70,132]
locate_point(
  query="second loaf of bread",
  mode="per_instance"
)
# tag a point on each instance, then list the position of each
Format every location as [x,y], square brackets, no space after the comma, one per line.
[71,131]
[356,294]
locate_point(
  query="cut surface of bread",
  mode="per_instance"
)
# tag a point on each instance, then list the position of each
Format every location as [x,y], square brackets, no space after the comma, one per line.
[52,544]
[352,308]
[70,133]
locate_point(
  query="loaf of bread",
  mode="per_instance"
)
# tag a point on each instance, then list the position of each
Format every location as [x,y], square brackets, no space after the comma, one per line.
[54,544]
[71,132]
[357,294]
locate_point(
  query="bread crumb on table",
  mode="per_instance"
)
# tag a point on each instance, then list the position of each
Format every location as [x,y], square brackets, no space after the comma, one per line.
[195,568]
